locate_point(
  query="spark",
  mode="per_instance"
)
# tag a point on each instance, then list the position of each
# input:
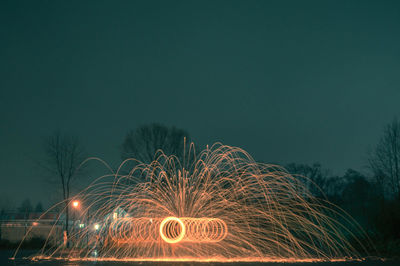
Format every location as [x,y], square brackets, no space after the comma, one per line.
[216,205]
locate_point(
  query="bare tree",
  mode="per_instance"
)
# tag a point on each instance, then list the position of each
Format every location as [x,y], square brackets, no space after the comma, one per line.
[64,156]
[39,207]
[26,208]
[384,161]
[316,177]
[356,192]
[5,206]
[143,143]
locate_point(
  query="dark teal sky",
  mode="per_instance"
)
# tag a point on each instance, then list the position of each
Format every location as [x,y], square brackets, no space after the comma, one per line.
[288,81]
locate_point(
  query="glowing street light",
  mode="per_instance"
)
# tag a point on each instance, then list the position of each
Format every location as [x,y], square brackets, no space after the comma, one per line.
[96,227]
[75,204]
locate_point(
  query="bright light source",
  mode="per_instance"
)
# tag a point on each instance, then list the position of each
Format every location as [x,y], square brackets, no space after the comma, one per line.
[96,226]
[35,223]
[81,225]
[115,215]
[75,204]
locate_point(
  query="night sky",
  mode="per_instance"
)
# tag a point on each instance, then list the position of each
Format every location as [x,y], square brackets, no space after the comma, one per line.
[288,81]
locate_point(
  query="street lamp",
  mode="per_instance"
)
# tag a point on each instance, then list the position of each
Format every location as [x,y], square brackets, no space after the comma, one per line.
[75,204]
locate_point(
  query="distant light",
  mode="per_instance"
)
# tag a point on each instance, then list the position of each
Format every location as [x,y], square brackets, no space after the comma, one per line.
[115,215]
[75,204]
[81,225]
[35,223]
[96,226]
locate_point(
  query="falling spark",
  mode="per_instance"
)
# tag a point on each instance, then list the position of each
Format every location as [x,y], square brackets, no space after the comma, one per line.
[217,205]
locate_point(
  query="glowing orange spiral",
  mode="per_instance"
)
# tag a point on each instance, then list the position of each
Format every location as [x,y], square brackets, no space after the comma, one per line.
[170,229]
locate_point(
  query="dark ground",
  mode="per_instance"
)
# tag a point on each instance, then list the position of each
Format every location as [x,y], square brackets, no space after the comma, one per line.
[6,254]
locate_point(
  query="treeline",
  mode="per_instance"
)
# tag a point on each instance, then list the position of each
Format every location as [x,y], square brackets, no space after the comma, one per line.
[373,199]
[24,209]
[360,196]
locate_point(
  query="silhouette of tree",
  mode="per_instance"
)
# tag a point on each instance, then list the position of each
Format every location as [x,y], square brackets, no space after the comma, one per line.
[39,207]
[143,143]
[25,208]
[333,189]
[317,177]
[5,204]
[384,161]
[357,192]
[64,156]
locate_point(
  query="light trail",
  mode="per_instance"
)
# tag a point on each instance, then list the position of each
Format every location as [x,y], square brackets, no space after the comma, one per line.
[170,229]
[216,205]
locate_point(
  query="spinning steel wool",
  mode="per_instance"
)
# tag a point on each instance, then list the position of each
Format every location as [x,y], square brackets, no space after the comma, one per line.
[216,205]
[170,230]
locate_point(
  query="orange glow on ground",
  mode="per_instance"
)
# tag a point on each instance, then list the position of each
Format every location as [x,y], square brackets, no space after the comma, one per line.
[194,259]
